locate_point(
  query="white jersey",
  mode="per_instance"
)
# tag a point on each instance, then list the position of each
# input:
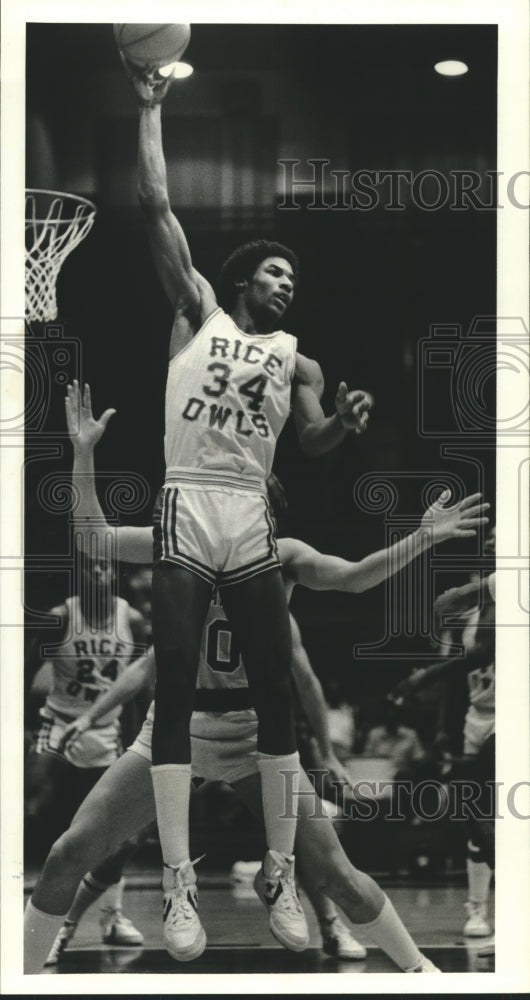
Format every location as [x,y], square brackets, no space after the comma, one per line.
[89,660]
[227,399]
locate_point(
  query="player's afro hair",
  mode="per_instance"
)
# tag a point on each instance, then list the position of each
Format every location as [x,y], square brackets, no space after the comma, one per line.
[242,264]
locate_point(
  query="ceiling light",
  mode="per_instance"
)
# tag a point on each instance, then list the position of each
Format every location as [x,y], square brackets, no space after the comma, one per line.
[451,67]
[178,70]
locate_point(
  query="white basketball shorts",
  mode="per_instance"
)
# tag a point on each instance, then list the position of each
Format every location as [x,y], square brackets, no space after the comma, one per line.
[222,533]
[229,751]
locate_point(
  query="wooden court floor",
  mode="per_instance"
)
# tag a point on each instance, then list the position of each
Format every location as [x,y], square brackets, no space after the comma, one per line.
[239,940]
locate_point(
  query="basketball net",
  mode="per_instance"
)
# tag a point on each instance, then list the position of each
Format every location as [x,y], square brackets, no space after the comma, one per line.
[55,224]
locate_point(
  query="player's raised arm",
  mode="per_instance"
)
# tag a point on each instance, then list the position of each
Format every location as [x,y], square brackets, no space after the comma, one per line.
[90,524]
[322,572]
[316,432]
[190,294]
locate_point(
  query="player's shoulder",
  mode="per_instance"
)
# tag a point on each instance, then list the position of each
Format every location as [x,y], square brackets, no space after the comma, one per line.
[308,371]
[491,584]
[135,616]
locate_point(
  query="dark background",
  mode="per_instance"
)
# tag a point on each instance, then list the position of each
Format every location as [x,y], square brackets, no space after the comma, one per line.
[371,284]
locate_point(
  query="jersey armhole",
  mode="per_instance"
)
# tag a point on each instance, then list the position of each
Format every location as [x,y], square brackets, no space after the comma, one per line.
[193,339]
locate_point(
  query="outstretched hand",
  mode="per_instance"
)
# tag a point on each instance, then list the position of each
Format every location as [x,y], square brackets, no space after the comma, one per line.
[353,408]
[148,82]
[459,521]
[83,430]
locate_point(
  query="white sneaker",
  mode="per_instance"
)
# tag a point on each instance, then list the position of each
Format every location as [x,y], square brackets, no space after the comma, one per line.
[184,936]
[61,942]
[425,966]
[476,924]
[338,941]
[276,887]
[117,929]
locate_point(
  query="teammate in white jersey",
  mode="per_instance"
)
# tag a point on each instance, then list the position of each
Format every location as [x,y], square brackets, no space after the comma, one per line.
[475,602]
[233,377]
[225,745]
[98,636]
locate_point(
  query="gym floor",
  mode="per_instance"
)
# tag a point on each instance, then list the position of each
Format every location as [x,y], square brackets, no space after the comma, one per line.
[239,940]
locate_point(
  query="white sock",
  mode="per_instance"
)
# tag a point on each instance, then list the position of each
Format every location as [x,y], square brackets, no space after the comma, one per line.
[113,897]
[478,880]
[171,784]
[388,931]
[40,931]
[279,794]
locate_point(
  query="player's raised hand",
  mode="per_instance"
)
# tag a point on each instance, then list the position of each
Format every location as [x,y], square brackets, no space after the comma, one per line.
[148,82]
[458,521]
[83,429]
[353,408]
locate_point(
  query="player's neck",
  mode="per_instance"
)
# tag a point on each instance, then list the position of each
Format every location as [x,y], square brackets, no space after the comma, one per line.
[253,325]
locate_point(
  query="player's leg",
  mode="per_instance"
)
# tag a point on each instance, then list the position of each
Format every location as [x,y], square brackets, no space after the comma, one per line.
[326,869]
[105,883]
[180,602]
[117,807]
[257,611]
[481,837]
[49,790]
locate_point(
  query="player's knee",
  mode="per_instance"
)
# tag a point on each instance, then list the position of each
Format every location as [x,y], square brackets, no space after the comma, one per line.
[175,680]
[75,851]
[273,697]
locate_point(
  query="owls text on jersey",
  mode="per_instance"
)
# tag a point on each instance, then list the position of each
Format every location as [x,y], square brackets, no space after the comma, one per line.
[227,399]
[89,660]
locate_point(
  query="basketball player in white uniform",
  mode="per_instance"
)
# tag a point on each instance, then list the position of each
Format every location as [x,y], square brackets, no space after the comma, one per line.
[477,601]
[233,377]
[99,635]
[224,746]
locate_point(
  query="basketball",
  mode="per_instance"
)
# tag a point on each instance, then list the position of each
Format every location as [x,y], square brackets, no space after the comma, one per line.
[152,44]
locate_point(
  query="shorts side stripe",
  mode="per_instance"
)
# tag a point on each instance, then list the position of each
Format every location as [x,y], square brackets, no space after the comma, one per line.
[174,539]
[271,537]
[164,519]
